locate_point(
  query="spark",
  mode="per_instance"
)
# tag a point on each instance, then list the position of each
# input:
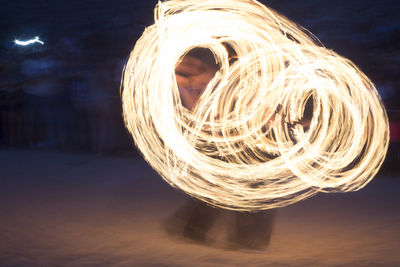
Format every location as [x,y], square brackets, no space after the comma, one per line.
[234,150]
[29,42]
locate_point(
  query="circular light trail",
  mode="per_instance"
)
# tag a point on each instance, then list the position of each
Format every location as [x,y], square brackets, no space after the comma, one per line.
[246,145]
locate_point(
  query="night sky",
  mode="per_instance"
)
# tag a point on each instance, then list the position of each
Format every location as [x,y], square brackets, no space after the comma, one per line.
[364,31]
[360,30]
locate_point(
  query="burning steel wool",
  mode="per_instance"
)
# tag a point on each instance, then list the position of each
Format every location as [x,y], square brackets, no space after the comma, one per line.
[244,145]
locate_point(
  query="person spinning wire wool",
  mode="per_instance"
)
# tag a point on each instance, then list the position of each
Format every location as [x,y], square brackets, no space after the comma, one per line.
[274,119]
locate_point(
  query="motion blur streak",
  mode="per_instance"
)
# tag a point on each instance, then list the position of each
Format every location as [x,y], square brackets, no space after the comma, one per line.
[29,42]
[247,145]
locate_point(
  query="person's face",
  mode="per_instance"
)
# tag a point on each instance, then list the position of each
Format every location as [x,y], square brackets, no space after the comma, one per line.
[192,76]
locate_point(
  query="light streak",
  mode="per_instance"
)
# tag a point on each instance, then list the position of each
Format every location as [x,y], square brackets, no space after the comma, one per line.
[29,42]
[234,150]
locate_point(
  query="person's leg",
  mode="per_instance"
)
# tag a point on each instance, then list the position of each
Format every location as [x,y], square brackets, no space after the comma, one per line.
[193,221]
[253,230]
[200,221]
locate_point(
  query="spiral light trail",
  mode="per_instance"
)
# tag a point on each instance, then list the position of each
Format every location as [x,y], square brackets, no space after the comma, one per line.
[244,146]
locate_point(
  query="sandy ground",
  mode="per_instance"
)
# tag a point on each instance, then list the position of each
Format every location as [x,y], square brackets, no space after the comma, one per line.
[68,209]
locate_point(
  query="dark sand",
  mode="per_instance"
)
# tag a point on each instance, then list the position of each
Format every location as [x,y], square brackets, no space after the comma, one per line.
[68,209]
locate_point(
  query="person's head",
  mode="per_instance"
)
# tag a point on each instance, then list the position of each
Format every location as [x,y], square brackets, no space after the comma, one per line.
[193,73]
[204,55]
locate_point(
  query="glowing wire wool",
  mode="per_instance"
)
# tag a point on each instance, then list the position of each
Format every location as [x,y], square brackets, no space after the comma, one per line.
[29,42]
[242,147]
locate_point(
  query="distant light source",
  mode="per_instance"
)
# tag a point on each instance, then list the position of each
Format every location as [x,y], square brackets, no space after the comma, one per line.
[28,42]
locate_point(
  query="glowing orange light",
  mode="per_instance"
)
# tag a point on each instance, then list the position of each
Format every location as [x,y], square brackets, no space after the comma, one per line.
[234,150]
